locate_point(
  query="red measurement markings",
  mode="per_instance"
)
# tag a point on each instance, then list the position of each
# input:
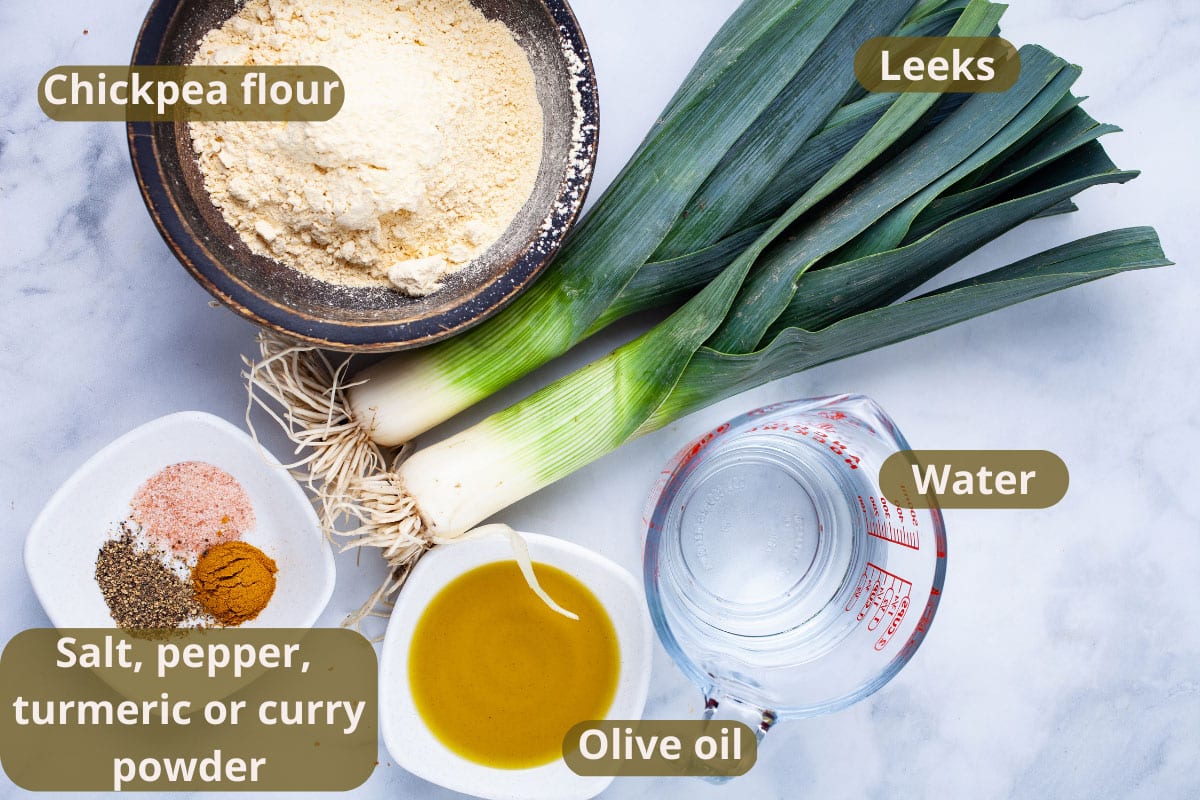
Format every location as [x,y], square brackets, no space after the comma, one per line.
[697,446]
[908,503]
[883,600]
[897,534]
[922,624]
[758,412]
[818,433]
[880,525]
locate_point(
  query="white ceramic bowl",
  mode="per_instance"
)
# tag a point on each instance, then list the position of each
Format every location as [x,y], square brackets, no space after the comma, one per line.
[405,734]
[60,552]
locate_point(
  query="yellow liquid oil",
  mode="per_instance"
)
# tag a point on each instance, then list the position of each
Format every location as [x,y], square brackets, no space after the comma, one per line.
[498,677]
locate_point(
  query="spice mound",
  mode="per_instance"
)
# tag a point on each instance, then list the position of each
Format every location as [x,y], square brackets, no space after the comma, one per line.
[177,560]
[434,152]
[141,591]
[192,505]
[234,581]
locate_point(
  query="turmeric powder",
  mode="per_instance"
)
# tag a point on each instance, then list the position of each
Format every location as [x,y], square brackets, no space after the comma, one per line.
[234,581]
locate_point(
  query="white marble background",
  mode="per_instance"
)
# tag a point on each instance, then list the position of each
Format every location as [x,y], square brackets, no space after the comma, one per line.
[1063,662]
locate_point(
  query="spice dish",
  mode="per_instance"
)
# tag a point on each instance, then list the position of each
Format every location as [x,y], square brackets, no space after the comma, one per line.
[370,317]
[80,519]
[408,736]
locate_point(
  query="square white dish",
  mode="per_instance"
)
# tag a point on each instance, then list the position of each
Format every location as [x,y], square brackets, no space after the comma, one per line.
[61,548]
[408,738]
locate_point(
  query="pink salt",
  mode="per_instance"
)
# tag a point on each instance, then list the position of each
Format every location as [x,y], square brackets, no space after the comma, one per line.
[192,506]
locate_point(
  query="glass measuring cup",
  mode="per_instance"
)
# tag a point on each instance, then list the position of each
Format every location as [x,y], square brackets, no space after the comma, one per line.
[779,578]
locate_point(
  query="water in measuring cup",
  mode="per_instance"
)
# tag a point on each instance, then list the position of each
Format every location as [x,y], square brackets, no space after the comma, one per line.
[766,540]
[777,574]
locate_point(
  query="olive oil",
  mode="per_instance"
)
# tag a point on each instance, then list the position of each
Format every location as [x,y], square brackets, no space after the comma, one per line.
[500,678]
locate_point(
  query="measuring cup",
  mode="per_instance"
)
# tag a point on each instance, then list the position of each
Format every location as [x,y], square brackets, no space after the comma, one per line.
[779,578]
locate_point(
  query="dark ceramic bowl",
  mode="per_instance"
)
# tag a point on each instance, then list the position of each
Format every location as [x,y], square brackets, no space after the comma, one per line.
[370,319]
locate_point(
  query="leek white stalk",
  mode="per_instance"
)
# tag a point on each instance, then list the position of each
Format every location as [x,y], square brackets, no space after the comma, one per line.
[459,482]
[405,395]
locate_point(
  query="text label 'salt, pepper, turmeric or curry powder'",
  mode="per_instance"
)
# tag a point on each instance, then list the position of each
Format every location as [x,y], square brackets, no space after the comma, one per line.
[234,581]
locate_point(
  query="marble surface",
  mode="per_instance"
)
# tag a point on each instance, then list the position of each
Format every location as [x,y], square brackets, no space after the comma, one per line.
[1062,662]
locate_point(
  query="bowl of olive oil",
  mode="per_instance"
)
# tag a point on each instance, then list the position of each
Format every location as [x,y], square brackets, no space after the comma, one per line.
[480,680]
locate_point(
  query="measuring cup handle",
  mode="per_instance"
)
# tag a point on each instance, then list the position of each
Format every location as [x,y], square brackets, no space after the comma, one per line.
[722,707]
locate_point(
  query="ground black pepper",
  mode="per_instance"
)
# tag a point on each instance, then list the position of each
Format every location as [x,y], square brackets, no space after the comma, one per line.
[141,591]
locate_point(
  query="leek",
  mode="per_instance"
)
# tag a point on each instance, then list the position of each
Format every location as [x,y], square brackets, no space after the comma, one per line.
[725,93]
[446,489]
[734,126]
[785,267]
